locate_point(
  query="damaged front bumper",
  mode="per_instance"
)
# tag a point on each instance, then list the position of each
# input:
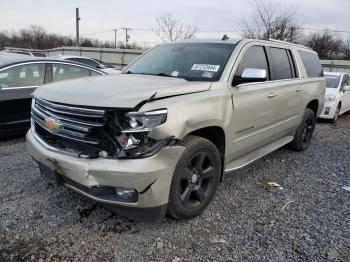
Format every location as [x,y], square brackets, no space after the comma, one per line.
[150,178]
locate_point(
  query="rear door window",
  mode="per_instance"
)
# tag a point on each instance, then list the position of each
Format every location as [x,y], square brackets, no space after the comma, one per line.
[282,64]
[311,63]
[63,72]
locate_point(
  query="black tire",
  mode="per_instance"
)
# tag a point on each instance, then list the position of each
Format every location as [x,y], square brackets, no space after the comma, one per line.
[303,135]
[196,178]
[336,114]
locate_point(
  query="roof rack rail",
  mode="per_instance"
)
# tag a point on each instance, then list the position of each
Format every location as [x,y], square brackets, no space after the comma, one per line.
[285,42]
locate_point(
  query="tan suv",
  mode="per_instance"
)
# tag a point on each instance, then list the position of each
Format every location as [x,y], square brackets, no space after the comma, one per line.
[159,137]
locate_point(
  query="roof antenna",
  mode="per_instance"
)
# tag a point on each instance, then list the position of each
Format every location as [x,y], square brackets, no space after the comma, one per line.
[225,37]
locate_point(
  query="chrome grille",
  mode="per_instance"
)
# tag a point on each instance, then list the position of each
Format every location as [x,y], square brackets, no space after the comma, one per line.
[70,122]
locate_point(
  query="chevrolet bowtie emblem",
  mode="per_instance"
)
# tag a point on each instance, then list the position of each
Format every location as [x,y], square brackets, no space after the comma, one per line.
[52,124]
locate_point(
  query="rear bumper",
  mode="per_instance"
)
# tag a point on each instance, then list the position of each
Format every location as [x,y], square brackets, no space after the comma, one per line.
[96,178]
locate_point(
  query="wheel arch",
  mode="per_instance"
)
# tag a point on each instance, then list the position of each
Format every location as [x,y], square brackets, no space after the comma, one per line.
[313,105]
[216,135]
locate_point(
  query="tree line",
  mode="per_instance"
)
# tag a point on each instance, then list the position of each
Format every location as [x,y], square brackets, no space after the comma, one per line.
[36,37]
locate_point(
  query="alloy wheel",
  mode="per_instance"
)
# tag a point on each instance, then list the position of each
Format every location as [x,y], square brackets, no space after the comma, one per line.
[197,180]
[308,130]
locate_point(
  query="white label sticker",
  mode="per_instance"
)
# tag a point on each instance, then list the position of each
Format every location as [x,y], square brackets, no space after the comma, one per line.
[208,74]
[175,73]
[204,67]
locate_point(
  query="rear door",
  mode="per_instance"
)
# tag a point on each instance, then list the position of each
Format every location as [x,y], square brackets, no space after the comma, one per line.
[289,98]
[17,83]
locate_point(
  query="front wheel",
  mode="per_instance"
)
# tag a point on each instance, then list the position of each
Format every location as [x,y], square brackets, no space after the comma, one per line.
[303,135]
[196,178]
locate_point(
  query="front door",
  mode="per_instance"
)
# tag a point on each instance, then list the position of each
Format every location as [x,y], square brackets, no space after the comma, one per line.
[254,112]
[17,83]
[346,94]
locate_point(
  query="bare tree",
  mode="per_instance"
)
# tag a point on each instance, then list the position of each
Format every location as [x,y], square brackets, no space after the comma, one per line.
[38,38]
[171,29]
[270,21]
[346,54]
[327,45]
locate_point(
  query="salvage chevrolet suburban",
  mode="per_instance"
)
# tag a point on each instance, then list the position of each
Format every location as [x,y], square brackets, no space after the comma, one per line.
[158,138]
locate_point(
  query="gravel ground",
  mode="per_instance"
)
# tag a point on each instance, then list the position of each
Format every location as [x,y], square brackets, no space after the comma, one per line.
[308,219]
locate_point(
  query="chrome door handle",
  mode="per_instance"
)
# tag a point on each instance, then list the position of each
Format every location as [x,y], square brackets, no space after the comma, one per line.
[299,89]
[271,95]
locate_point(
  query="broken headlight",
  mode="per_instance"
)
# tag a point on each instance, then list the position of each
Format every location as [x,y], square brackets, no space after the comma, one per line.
[144,121]
[134,139]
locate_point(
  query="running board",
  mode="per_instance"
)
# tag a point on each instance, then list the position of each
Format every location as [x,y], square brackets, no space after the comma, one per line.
[255,155]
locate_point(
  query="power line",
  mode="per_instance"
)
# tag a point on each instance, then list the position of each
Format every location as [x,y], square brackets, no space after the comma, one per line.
[97,32]
[324,30]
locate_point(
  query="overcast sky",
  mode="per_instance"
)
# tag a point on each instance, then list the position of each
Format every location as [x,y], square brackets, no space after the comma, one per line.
[212,17]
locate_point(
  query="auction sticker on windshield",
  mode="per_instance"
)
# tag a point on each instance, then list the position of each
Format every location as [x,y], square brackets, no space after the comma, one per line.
[204,67]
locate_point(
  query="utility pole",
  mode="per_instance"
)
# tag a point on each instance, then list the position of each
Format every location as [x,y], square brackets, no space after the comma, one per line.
[126,36]
[77,19]
[115,37]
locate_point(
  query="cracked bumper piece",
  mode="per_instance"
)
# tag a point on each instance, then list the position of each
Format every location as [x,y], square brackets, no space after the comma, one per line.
[147,180]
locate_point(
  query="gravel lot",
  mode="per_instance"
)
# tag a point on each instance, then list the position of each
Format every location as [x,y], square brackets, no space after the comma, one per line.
[306,220]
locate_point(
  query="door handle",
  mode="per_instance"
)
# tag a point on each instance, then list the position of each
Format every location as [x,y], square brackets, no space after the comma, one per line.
[271,95]
[299,89]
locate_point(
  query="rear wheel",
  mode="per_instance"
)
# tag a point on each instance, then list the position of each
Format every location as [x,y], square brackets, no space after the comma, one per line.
[336,114]
[303,135]
[196,178]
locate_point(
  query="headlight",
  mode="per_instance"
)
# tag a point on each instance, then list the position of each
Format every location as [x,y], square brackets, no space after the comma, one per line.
[144,121]
[134,138]
[330,98]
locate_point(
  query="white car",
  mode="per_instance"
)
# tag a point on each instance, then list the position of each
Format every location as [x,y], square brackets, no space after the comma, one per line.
[337,100]
[95,63]
[24,52]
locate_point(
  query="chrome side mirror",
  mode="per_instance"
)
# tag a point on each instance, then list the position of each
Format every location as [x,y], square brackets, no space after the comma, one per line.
[346,89]
[254,73]
[251,75]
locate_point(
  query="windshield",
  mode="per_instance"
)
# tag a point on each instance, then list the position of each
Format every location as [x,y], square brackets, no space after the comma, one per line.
[191,61]
[332,81]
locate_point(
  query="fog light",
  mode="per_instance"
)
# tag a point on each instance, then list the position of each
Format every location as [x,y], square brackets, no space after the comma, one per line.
[126,194]
[326,112]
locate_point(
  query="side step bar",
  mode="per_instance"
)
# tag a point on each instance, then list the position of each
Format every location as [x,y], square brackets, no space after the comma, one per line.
[255,155]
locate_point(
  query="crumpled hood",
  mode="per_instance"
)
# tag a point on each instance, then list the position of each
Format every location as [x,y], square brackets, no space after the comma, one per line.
[123,91]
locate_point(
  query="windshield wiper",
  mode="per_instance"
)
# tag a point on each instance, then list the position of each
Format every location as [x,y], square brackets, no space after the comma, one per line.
[158,74]
[167,75]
